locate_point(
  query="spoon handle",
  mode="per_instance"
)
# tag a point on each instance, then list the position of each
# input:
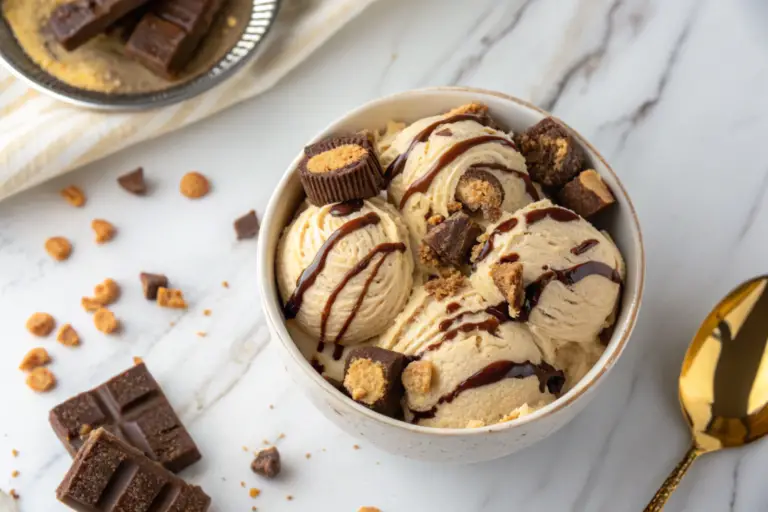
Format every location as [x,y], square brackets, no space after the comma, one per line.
[672,481]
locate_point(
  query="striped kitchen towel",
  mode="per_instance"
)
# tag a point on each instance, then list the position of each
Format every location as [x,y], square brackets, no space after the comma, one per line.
[41,138]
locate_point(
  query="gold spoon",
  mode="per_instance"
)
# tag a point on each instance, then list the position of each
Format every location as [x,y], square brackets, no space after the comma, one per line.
[724,379]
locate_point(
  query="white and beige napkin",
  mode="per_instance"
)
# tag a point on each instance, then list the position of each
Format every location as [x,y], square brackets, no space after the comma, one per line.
[41,138]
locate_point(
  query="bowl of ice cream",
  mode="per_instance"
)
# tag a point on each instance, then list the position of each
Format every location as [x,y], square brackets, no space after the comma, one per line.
[450,273]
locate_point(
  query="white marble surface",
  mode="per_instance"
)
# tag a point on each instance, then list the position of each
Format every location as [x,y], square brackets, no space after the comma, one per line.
[672,93]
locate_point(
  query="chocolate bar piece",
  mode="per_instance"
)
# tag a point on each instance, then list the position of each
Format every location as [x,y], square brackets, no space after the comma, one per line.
[372,377]
[247,226]
[587,194]
[452,239]
[75,23]
[134,408]
[166,38]
[109,475]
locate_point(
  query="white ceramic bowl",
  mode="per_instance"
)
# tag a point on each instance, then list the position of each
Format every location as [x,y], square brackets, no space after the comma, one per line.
[437,444]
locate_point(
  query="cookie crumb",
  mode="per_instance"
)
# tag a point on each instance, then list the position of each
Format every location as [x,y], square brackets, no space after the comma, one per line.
[103,229]
[508,278]
[428,256]
[271,406]
[107,292]
[444,287]
[90,304]
[34,358]
[201,334]
[245,448]
[469,108]
[105,321]
[281,436]
[14,494]
[368,509]
[254,492]
[307,455]
[41,324]
[41,380]
[14,452]
[194,185]
[137,360]
[73,196]
[475,424]
[14,474]
[225,284]
[68,336]
[242,484]
[170,298]
[356,447]
[58,248]
[289,497]
[207,312]
[417,376]
[265,441]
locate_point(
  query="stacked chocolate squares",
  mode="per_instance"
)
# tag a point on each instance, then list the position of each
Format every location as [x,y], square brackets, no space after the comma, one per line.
[164,40]
[127,443]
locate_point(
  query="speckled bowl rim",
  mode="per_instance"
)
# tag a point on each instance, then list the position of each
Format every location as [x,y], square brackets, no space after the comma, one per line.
[607,360]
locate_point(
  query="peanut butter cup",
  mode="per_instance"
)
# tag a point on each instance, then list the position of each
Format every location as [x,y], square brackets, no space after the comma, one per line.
[341,169]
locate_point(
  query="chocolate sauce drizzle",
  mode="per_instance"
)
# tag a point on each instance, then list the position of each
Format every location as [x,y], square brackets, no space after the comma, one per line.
[568,277]
[584,247]
[529,188]
[338,350]
[397,166]
[317,365]
[509,258]
[422,184]
[452,307]
[553,212]
[549,378]
[309,275]
[346,208]
[504,227]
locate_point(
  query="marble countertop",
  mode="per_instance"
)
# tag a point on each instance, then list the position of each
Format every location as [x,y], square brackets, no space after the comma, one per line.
[672,93]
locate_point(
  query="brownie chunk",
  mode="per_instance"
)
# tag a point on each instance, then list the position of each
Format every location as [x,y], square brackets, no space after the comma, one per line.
[372,377]
[267,463]
[452,240]
[552,155]
[587,194]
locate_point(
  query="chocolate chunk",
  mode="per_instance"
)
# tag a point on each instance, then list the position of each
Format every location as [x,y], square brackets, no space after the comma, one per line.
[75,23]
[587,194]
[134,408]
[552,155]
[508,278]
[452,240]
[150,283]
[267,463]
[166,38]
[372,377]
[247,226]
[109,475]
[480,190]
[340,169]
[133,182]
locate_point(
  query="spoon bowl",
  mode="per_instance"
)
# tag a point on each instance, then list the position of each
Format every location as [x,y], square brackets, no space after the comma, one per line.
[724,379]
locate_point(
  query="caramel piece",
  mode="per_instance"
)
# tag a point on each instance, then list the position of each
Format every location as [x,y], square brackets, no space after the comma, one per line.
[68,336]
[34,358]
[104,230]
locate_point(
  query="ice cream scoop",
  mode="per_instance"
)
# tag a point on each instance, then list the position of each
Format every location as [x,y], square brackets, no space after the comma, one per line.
[426,161]
[475,367]
[344,270]
[572,272]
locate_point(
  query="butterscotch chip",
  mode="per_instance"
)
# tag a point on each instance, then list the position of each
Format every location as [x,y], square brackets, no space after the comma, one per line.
[104,230]
[171,298]
[194,185]
[89,304]
[508,278]
[105,321]
[41,324]
[368,509]
[107,292]
[74,196]
[253,492]
[587,194]
[34,358]
[58,247]
[41,379]
[447,286]
[417,377]
[68,336]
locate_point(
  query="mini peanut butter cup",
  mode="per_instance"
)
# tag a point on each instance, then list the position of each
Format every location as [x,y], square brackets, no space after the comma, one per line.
[341,169]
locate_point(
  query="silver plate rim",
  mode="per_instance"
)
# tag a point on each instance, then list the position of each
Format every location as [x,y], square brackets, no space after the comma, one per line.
[219,73]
